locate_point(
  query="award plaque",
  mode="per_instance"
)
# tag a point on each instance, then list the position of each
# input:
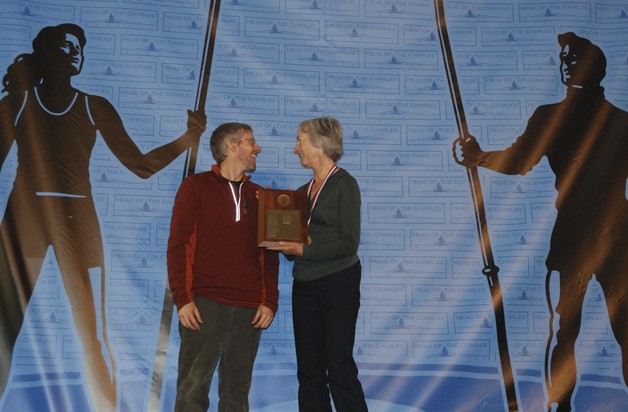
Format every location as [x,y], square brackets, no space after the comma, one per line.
[282,215]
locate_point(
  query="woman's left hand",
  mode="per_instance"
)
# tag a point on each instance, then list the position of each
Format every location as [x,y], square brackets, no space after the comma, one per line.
[197,122]
[289,248]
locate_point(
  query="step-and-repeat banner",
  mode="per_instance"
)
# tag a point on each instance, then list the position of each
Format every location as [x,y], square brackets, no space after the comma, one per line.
[541,86]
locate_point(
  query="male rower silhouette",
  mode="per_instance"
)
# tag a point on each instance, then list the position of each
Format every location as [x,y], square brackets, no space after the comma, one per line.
[585,140]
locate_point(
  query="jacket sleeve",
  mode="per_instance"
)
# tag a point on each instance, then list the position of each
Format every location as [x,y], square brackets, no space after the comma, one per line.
[528,149]
[182,243]
[270,275]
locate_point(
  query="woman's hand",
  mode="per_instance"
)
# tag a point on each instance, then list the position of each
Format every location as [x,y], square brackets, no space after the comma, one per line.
[289,248]
[196,124]
[197,121]
[257,192]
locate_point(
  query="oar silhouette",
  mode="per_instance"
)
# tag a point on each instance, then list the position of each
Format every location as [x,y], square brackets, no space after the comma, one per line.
[189,169]
[490,270]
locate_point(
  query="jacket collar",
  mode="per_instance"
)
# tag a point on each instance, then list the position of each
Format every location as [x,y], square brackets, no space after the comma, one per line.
[216,170]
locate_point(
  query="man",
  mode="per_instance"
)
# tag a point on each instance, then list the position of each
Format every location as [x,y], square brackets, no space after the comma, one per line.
[224,286]
[584,139]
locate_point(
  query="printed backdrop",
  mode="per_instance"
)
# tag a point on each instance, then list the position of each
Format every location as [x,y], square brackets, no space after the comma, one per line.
[426,335]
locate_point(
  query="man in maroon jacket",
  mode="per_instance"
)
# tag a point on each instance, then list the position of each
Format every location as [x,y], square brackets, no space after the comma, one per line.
[224,286]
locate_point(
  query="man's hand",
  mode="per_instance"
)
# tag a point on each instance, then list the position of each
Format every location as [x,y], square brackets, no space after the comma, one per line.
[263,317]
[190,317]
[467,151]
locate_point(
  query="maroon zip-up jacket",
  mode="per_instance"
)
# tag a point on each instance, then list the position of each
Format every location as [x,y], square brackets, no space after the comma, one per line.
[210,254]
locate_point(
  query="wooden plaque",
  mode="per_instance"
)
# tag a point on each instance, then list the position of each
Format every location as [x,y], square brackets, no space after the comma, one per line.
[282,215]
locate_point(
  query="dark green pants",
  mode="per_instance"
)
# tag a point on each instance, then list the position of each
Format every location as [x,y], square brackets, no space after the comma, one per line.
[226,339]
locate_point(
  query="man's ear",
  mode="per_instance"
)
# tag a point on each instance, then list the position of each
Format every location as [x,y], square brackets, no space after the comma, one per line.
[232,146]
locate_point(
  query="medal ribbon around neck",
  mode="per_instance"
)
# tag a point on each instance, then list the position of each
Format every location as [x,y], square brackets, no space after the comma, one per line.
[309,190]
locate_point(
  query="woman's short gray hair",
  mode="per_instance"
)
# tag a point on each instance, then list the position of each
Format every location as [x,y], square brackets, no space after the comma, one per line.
[224,134]
[325,133]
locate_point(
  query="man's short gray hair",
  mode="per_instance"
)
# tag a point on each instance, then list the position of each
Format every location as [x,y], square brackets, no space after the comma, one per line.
[223,134]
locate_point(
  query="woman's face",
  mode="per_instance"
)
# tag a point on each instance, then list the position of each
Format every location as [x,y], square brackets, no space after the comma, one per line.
[306,152]
[71,53]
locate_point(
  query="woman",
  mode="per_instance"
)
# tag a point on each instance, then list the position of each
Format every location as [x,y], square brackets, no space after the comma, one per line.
[54,127]
[327,272]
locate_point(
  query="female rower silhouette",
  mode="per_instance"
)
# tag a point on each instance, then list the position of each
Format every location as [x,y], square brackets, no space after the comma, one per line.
[54,128]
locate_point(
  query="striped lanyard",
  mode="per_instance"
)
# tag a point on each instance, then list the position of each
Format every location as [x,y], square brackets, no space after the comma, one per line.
[309,190]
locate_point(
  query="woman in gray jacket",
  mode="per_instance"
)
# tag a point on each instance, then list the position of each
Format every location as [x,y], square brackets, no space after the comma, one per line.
[327,273]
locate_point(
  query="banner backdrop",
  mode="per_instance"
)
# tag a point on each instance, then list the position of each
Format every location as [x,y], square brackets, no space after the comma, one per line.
[87,215]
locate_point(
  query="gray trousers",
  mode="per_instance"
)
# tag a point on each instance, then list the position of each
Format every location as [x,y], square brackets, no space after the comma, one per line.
[227,339]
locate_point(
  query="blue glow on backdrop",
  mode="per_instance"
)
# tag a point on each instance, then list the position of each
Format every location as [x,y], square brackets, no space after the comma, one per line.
[426,334]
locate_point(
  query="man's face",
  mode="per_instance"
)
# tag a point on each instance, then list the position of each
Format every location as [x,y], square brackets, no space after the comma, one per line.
[568,66]
[72,53]
[248,150]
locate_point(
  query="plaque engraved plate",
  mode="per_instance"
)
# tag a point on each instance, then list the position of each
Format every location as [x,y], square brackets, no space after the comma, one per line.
[282,215]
